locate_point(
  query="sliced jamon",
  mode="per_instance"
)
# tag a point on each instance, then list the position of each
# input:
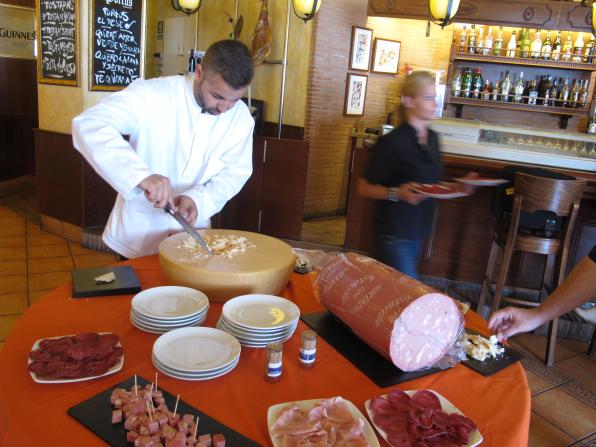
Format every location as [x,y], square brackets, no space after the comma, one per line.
[425,399]
[88,338]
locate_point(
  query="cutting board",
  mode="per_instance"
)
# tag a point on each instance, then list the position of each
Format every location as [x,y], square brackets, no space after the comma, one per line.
[96,414]
[264,268]
[492,366]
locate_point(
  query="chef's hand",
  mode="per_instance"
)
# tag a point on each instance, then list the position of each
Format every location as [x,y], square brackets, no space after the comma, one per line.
[510,321]
[186,208]
[158,190]
[468,189]
[408,194]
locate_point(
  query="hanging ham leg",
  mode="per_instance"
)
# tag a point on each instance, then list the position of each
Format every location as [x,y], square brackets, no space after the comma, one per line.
[260,42]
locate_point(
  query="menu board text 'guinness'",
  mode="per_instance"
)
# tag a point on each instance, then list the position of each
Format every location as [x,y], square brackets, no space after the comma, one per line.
[116,55]
[57,43]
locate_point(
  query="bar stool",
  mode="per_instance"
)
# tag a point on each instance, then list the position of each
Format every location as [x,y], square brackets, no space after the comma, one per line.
[532,193]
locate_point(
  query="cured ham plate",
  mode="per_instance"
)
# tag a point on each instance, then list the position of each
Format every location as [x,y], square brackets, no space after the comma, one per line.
[307,405]
[439,191]
[479,181]
[475,437]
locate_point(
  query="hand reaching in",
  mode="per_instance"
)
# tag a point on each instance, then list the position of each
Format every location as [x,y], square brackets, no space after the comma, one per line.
[510,321]
[157,190]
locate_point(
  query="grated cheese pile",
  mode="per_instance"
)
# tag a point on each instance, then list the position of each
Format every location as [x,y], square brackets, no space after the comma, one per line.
[226,245]
[480,348]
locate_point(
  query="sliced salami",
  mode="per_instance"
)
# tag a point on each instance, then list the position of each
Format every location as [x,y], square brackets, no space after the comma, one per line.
[401,318]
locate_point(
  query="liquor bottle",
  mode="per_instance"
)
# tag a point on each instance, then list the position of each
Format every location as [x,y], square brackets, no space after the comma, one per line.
[192,62]
[498,45]
[532,93]
[488,42]
[512,45]
[477,83]
[567,48]
[463,40]
[466,84]
[553,94]
[547,47]
[472,40]
[480,41]
[486,91]
[556,53]
[536,46]
[545,92]
[583,95]
[578,48]
[456,84]
[518,90]
[592,126]
[525,45]
[574,99]
[564,95]
[589,51]
[495,92]
[506,87]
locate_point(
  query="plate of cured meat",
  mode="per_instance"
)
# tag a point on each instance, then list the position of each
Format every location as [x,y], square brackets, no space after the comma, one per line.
[75,358]
[333,421]
[481,181]
[421,416]
[439,191]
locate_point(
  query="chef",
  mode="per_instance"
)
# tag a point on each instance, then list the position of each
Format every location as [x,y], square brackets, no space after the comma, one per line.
[188,143]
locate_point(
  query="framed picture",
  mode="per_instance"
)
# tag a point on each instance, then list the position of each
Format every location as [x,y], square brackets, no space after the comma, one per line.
[386,56]
[355,94]
[361,48]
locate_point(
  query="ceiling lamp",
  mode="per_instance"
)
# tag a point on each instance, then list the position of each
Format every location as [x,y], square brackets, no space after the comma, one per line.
[306,9]
[186,6]
[594,18]
[442,11]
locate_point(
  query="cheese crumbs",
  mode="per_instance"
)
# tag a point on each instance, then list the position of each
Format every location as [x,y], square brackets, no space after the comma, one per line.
[226,245]
[480,348]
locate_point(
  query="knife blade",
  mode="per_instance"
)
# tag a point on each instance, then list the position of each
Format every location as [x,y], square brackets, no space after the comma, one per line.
[188,228]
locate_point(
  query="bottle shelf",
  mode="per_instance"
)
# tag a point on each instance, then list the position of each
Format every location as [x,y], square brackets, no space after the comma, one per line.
[528,62]
[518,106]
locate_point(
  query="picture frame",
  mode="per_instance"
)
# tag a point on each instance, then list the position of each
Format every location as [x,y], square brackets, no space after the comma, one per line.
[386,56]
[361,48]
[355,98]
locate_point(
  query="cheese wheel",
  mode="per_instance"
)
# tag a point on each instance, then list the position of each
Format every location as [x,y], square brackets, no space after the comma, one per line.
[263,268]
[404,320]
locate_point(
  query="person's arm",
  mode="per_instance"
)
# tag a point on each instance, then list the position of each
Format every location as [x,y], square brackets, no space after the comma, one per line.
[577,288]
[404,192]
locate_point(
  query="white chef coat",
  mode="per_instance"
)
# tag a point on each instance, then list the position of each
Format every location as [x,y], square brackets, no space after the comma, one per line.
[206,157]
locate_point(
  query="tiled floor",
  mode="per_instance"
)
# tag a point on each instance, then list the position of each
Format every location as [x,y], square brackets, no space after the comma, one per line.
[32,262]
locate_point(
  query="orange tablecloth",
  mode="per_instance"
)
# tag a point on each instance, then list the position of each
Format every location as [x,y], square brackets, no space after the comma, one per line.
[33,414]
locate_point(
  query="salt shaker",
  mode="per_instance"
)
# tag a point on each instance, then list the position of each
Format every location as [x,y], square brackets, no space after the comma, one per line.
[308,348]
[273,362]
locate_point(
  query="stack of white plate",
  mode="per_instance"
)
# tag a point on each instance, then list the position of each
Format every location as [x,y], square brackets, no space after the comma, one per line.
[256,320]
[196,353]
[162,309]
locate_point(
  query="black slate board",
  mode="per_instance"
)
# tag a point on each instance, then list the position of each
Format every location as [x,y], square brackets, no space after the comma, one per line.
[378,369]
[96,414]
[84,285]
[493,366]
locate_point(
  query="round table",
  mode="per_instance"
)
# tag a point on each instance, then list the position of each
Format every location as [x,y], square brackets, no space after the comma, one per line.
[33,414]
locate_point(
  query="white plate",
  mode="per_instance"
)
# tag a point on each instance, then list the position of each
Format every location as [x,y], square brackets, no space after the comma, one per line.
[158,321]
[196,349]
[187,376]
[256,335]
[306,405]
[117,367]
[444,193]
[482,181]
[178,323]
[155,327]
[475,439]
[169,302]
[261,312]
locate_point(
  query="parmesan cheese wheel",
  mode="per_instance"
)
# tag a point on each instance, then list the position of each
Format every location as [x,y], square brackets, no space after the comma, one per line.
[264,267]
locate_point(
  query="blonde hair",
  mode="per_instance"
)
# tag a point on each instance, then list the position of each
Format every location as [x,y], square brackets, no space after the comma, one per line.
[411,87]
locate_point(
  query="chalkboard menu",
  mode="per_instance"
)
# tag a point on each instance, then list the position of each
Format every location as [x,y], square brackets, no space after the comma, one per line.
[116,43]
[57,56]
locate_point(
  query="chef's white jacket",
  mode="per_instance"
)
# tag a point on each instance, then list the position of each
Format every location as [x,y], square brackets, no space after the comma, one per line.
[206,157]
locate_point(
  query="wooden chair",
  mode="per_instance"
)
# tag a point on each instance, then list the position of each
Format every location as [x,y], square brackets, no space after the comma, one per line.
[532,193]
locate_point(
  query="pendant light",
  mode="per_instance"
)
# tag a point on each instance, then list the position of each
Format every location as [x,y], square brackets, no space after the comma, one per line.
[441,12]
[188,7]
[306,9]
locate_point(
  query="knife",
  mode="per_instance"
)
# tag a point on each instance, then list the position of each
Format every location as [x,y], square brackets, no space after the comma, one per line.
[188,228]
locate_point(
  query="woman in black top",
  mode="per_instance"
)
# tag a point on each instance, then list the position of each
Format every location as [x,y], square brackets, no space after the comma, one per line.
[405,157]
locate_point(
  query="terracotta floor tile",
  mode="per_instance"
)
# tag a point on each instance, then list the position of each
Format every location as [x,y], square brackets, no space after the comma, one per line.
[77,249]
[48,251]
[51,225]
[581,347]
[44,239]
[13,267]
[536,345]
[12,221]
[34,297]
[12,241]
[13,253]
[565,412]
[6,324]
[45,265]
[544,434]
[590,441]
[13,303]
[580,368]
[5,212]
[13,284]
[34,228]
[45,281]
[14,230]
[98,260]
[536,383]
